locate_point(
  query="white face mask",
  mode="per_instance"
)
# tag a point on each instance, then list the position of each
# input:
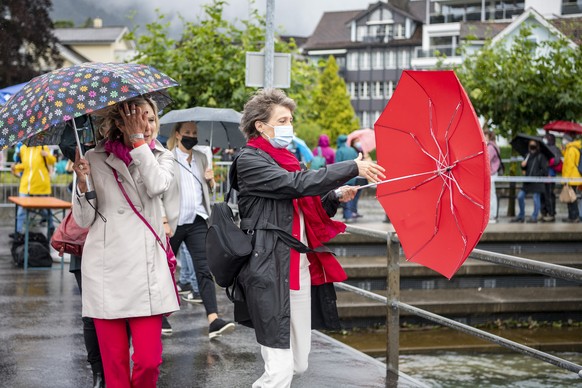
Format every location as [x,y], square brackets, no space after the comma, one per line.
[283,135]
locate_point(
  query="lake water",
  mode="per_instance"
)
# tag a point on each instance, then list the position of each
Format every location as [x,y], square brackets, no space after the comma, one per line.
[452,369]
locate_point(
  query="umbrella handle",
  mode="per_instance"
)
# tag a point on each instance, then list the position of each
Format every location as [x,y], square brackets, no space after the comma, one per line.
[90,194]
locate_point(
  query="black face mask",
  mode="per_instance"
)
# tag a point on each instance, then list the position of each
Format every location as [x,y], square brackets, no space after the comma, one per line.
[533,149]
[189,142]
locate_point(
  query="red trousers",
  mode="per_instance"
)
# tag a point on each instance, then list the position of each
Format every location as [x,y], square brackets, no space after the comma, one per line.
[146,338]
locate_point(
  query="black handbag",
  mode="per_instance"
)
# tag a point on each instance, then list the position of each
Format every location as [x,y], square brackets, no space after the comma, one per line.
[227,246]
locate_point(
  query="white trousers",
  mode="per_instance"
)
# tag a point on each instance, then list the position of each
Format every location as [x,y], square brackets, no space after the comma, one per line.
[282,364]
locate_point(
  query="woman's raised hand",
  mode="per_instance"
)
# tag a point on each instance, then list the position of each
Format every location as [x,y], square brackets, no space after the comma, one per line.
[370,170]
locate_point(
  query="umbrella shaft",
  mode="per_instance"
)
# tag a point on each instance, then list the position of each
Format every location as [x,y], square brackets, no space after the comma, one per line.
[403,177]
[89,188]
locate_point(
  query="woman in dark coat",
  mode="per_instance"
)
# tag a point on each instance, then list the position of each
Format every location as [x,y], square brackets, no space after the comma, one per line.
[535,164]
[273,290]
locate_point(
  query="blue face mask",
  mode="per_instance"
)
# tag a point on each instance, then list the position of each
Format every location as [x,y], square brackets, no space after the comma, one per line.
[283,135]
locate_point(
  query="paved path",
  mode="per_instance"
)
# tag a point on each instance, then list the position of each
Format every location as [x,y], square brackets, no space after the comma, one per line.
[41,341]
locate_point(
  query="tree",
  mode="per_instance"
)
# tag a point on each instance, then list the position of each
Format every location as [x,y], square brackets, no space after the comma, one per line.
[209,58]
[26,40]
[521,86]
[208,61]
[333,111]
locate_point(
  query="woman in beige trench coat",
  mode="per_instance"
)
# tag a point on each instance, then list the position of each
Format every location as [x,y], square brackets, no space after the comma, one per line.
[126,276]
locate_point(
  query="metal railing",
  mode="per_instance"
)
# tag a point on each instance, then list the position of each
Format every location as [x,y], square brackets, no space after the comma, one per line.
[9,187]
[394,305]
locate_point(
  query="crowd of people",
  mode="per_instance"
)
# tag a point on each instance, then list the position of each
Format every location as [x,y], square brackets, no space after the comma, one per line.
[142,201]
[537,164]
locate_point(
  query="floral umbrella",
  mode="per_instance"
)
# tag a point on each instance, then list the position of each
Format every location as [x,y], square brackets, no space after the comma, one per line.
[63,94]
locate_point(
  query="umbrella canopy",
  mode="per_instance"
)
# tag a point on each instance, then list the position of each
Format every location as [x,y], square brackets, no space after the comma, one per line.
[7,92]
[563,126]
[217,127]
[301,146]
[56,97]
[432,146]
[366,137]
[521,144]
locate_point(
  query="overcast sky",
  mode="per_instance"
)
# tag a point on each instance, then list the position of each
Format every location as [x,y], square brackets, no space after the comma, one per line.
[295,17]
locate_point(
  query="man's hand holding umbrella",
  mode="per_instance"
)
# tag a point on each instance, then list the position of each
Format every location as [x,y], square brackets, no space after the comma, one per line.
[368,169]
[371,171]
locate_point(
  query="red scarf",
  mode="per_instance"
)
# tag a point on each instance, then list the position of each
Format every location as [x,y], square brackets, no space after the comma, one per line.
[119,149]
[319,227]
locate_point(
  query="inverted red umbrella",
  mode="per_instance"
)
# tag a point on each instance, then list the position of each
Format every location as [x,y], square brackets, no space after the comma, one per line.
[437,193]
[563,126]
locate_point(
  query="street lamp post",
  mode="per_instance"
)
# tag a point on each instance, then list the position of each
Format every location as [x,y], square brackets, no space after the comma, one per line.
[270,45]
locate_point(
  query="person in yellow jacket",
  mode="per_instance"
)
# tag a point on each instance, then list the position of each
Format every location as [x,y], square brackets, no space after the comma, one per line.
[35,180]
[570,170]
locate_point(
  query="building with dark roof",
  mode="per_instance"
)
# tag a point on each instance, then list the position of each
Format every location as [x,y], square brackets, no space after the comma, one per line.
[371,47]
[94,44]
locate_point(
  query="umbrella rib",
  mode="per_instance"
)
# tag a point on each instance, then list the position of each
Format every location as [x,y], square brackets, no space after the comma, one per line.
[408,189]
[441,158]
[436,223]
[449,127]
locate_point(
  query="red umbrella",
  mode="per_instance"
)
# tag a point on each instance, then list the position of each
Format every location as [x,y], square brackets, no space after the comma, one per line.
[563,126]
[431,144]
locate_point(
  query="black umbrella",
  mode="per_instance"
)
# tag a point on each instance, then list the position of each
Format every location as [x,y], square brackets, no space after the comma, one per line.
[521,144]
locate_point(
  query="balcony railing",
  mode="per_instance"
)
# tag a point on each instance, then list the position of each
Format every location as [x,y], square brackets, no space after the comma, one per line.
[571,9]
[435,51]
[497,14]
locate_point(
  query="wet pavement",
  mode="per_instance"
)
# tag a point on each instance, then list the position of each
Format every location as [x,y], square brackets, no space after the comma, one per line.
[41,341]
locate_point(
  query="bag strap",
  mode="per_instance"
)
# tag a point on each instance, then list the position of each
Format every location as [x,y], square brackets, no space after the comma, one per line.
[319,152]
[190,171]
[136,211]
[289,240]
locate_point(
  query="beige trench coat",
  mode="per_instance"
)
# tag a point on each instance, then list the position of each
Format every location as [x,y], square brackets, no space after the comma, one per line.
[125,271]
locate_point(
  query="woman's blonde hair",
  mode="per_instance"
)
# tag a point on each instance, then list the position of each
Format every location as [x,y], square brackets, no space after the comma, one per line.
[172,141]
[260,107]
[110,116]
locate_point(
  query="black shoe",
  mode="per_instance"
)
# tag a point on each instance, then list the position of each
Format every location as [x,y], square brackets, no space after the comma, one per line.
[166,327]
[516,219]
[183,288]
[532,221]
[219,327]
[192,297]
[571,221]
[549,219]
[98,380]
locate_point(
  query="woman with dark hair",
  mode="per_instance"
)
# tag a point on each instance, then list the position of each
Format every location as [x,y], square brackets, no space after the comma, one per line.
[126,276]
[187,205]
[273,292]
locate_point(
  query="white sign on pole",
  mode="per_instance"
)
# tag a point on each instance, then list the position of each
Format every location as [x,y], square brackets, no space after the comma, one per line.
[255,70]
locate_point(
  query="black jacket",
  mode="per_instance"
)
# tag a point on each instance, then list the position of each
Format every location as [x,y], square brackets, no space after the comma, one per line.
[266,192]
[537,165]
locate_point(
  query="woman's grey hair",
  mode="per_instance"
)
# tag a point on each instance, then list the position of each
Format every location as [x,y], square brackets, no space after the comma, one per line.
[260,107]
[111,115]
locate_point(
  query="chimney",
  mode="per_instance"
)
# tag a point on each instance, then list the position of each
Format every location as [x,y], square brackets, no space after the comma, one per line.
[97,23]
